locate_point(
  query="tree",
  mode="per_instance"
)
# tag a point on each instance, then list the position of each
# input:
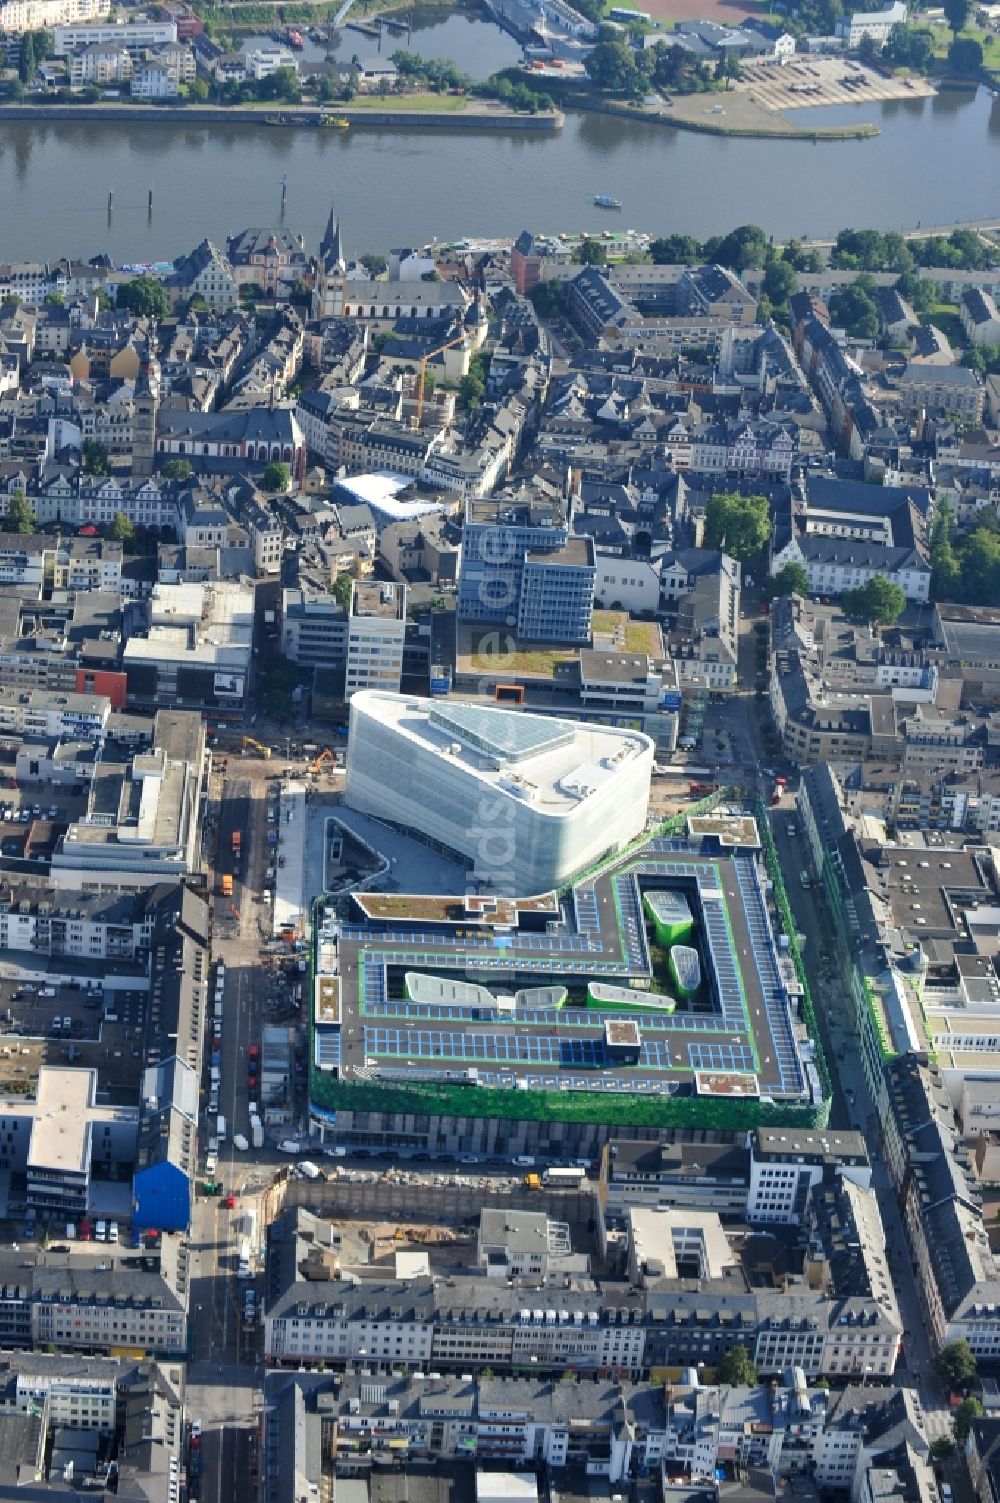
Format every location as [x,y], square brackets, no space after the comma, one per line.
[878,600]
[739,524]
[982,358]
[853,308]
[277,476]
[198,90]
[374,263]
[910,47]
[863,250]
[736,1368]
[592,253]
[791,579]
[20,515]
[282,84]
[967,1411]
[917,291]
[965,56]
[343,588]
[956,13]
[176,469]
[547,298]
[942,1448]
[675,250]
[472,389]
[95,457]
[145,297]
[120,529]
[745,246]
[55,300]
[955,1365]
[611,67]
[780,281]
[27,65]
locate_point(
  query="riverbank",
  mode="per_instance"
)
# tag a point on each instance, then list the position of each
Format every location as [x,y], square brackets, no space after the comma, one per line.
[729,114]
[419,112]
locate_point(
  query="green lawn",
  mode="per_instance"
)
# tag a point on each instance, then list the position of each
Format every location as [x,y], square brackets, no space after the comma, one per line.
[430,103]
[988,40]
[944,316]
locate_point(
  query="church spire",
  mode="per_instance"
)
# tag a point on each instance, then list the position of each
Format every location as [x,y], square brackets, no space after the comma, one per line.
[330,249]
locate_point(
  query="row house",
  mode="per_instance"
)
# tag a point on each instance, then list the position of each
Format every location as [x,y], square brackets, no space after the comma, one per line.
[74,1304]
[957,1275]
[609,1429]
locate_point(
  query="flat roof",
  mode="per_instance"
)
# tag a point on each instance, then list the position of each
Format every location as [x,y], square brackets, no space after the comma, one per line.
[521,1004]
[387,601]
[928,887]
[552,764]
[61,1114]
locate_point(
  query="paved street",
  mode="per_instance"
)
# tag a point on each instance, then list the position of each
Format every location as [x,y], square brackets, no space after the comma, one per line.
[225,1352]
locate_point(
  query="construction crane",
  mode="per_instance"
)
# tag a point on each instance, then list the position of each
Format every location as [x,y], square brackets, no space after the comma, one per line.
[459,339]
[265,751]
[317,763]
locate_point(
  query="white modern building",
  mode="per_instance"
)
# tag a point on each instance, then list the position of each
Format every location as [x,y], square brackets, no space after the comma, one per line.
[19,16]
[876,24]
[376,630]
[133,36]
[527,800]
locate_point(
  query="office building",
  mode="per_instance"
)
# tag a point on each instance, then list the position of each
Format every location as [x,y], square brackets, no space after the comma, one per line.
[569,793]
[376,629]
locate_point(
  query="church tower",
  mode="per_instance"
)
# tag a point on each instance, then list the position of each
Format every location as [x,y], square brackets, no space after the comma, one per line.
[329,266]
[145,403]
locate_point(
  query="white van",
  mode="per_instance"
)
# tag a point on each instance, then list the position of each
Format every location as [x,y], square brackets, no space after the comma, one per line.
[101,1231]
[220,1131]
[113,1231]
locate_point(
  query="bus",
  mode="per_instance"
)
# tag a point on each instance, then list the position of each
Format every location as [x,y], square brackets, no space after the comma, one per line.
[564,1178]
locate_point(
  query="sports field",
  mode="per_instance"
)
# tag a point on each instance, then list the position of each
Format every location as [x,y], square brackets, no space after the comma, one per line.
[726,12]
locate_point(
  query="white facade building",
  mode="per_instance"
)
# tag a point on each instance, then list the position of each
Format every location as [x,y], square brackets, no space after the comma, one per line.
[529,801]
[875,24]
[261,62]
[134,36]
[376,630]
[19,16]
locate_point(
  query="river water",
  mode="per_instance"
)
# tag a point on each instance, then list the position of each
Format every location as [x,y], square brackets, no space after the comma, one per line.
[935,160]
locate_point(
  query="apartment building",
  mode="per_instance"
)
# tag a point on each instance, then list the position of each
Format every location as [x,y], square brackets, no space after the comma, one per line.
[957,1274]
[45,712]
[85,1302]
[607,1429]
[19,16]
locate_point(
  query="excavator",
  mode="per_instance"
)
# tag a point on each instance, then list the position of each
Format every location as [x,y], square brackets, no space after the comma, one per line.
[258,746]
[317,762]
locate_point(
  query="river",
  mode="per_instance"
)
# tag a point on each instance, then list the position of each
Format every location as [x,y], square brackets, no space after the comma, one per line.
[936,160]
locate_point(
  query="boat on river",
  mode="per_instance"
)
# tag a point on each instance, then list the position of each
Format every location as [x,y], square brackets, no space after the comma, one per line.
[605,201]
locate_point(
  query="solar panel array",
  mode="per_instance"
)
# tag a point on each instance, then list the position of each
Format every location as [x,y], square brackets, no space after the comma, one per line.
[609,942]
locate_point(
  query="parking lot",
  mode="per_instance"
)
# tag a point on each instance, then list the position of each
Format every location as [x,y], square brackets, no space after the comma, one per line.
[823,80]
